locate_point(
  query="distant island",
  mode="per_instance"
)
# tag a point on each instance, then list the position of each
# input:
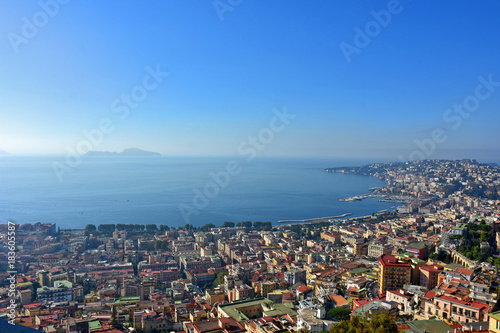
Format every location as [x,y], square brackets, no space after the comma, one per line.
[125,152]
[3,152]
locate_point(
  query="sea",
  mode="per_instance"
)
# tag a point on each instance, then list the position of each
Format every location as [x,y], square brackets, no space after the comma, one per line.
[179,190]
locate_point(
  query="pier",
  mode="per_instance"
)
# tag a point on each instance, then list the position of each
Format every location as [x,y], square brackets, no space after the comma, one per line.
[358,197]
[316,220]
[384,198]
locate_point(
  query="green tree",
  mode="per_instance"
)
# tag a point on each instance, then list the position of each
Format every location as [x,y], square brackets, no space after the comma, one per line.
[151,228]
[207,227]
[106,228]
[380,323]
[89,229]
[160,245]
[88,286]
[219,279]
[260,225]
[114,321]
[164,228]
[354,325]
[228,224]
[339,313]
[456,237]
[246,224]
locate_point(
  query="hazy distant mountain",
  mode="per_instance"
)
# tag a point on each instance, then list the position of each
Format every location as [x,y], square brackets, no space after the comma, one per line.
[3,152]
[125,152]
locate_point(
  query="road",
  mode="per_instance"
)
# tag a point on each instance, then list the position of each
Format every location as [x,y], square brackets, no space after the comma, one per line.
[372,290]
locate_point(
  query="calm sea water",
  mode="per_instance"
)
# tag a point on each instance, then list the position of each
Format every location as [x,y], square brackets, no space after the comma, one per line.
[163,190]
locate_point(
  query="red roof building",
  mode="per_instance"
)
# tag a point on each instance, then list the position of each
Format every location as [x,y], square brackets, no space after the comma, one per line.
[392,274]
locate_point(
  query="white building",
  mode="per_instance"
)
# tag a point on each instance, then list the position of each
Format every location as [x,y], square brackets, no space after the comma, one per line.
[61,292]
[308,320]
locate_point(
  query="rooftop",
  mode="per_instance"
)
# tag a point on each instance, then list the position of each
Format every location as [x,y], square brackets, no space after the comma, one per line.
[430,326]
[495,315]
[418,245]
[472,304]
[389,261]
[268,308]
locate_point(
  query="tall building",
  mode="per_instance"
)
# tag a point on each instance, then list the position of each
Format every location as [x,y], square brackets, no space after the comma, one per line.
[43,278]
[392,274]
[429,275]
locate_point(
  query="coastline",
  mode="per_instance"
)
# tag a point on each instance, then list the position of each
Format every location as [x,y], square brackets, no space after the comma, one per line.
[375,192]
[150,190]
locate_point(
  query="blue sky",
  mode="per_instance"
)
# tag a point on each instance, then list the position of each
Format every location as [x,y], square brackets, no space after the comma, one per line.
[231,63]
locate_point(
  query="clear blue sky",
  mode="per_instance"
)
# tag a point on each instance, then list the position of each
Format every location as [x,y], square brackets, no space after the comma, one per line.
[227,75]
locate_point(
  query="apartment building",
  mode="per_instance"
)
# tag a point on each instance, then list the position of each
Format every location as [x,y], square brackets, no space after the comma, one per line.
[392,273]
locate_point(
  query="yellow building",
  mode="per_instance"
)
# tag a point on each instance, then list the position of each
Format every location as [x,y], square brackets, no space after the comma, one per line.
[263,288]
[214,296]
[392,274]
[43,278]
[330,237]
[197,316]
[494,320]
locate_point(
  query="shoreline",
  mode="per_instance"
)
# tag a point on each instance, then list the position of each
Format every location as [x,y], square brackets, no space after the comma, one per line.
[374,191]
[70,207]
